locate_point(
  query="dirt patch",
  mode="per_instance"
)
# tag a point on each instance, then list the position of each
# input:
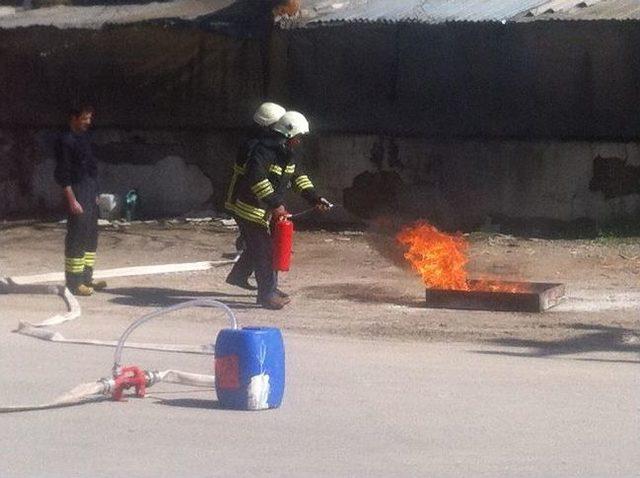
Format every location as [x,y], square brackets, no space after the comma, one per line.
[356,285]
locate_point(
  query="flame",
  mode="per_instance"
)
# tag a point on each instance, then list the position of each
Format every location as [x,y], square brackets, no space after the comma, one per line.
[486,285]
[441,260]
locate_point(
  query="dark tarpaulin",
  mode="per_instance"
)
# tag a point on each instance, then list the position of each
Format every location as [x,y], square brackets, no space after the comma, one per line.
[344,78]
[241,19]
[566,80]
[137,76]
[538,80]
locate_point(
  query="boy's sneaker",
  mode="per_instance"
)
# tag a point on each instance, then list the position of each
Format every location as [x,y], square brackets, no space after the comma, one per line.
[97,285]
[82,290]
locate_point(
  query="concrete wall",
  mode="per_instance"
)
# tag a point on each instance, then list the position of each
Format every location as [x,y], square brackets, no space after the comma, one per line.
[173,172]
[468,184]
[451,99]
[456,184]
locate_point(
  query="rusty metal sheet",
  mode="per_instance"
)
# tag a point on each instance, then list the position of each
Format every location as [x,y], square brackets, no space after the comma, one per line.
[440,11]
[538,297]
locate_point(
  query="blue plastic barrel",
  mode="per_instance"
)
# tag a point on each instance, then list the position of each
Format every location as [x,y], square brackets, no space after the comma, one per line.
[249,368]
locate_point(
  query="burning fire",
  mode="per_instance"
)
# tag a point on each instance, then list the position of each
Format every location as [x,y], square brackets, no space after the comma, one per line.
[441,260]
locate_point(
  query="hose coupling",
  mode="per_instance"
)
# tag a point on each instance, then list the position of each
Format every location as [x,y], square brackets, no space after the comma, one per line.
[152,377]
[108,385]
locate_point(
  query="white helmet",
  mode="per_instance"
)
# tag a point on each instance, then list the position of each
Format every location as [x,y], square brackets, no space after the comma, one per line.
[292,124]
[268,114]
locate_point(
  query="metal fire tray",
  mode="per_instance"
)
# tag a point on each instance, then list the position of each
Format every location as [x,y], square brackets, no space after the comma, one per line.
[531,297]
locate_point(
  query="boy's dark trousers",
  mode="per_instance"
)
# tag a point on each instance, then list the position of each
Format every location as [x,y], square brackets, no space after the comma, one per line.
[82,235]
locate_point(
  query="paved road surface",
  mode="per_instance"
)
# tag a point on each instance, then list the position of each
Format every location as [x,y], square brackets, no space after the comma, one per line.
[352,408]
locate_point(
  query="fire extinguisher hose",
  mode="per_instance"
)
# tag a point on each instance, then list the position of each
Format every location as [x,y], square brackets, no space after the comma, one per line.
[83,393]
[184,305]
[311,209]
[104,388]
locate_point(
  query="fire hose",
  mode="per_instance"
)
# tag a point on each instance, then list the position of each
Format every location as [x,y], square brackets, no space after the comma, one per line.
[124,378]
[30,285]
[26,285]
[9,286]
[324,202]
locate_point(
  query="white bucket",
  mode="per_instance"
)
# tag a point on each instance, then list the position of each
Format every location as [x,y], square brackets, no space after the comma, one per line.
[107,204]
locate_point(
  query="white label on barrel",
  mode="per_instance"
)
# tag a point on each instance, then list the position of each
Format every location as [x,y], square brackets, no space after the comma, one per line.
[258,392]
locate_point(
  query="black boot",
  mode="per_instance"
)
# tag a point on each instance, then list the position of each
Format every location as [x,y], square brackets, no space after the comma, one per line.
[244,284]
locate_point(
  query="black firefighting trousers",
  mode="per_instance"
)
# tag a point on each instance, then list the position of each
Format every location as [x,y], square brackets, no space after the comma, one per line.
[82,235]
[257,256]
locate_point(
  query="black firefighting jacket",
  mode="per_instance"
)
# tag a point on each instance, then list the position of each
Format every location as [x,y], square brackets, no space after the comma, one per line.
[263,171]
[74,159]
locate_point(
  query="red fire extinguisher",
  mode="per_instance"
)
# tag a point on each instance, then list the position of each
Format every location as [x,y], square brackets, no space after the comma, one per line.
[282,241]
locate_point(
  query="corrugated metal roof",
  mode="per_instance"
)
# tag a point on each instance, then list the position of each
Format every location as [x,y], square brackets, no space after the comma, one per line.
[602,10]
[220,14]
[421,10]
[438,11]
[97,16]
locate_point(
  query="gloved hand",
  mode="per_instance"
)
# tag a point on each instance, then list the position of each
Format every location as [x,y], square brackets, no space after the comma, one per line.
[323,205]
[279,213]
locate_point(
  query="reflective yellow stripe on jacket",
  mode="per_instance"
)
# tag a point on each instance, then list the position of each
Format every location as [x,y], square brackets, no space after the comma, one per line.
[275,169]
[237,171]
[262,188]
[248,212]
[302,182]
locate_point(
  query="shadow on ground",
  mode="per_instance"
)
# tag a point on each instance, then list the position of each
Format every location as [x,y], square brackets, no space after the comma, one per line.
[162,297]
[362,293]
[597,338]
[189,403]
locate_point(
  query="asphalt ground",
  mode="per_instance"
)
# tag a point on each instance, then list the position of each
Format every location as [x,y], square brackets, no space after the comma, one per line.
[377,384]
[351,408]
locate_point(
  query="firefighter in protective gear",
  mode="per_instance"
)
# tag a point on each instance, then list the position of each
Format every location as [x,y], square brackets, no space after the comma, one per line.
[77,173]
[265,116]
[292,124]
[262,174]
[268,114]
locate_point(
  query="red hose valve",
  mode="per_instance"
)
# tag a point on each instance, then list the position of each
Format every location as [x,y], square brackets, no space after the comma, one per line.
[130,377]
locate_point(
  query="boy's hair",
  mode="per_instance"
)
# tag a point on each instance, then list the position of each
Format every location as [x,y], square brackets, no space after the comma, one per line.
[78,110]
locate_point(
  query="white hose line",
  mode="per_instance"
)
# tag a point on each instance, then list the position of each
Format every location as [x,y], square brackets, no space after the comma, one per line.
[30,285]
[72,305]
[9,286]
[86,392]
[187,378]
[128,271]
[52,336]
[95,391]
